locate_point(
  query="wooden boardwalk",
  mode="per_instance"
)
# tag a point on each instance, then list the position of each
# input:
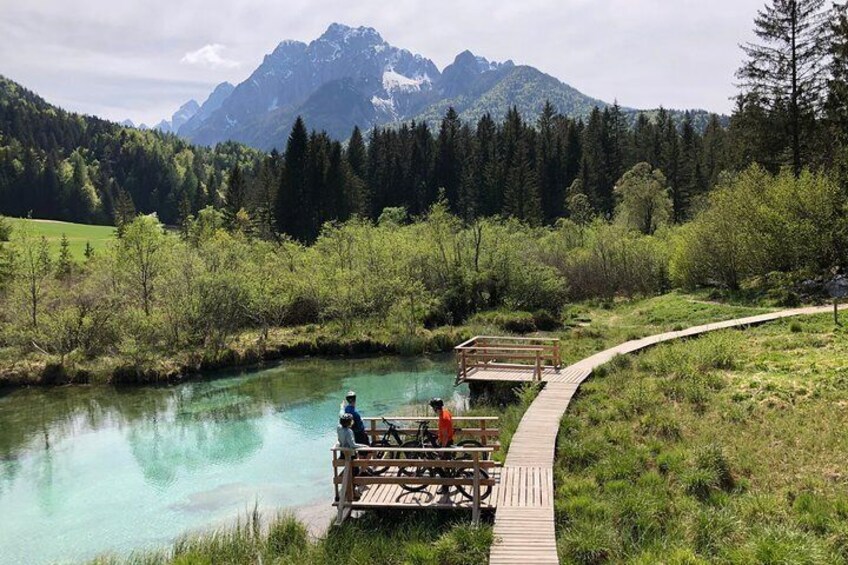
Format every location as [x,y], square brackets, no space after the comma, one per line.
[524,518]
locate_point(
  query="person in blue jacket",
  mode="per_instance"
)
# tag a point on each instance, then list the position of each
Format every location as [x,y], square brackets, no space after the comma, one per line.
[349,407]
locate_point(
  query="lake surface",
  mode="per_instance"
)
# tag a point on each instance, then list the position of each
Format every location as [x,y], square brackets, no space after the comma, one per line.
[85,471]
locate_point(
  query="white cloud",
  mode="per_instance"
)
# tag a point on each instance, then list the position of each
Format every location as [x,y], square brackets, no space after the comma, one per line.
[209,56]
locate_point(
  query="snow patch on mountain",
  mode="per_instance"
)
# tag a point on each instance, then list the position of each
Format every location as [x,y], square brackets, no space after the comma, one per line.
[393,80]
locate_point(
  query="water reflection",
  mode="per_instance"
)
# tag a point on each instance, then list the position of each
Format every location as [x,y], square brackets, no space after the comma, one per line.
[86,470]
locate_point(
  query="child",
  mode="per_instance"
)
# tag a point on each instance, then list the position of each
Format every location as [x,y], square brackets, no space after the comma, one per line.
[346,440]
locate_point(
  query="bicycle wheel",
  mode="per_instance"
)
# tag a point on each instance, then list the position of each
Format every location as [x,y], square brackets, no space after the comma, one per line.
[378,455]
[468,490]
[469,443]
[412,471]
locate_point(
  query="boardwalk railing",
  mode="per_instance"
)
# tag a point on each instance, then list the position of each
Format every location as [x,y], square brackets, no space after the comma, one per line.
[498,352]
[481,428]
[466,467]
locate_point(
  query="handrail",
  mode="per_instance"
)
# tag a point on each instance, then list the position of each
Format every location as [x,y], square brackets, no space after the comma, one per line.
[394,448]
[484,352]
[345,482]
[431,418]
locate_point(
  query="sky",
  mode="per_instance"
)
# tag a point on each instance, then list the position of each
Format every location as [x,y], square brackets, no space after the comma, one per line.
[142,59]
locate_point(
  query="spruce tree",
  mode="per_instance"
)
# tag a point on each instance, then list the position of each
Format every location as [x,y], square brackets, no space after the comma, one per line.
[291,206]
[89,251]
[549,162]
[837,91]
[784,69]
[357,153]
[64,264]
[449,159]
[124,211]
[236,198]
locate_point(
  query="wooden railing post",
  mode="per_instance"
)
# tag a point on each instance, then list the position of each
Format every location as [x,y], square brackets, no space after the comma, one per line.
[475,509]
[347,478]
[537,374]
[557,360]
[483,433]
[463,366]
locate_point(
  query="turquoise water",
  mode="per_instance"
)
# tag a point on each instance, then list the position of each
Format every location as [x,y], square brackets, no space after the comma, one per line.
[84,471]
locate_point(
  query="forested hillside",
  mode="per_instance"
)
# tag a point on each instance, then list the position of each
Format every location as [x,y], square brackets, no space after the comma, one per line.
[60,165]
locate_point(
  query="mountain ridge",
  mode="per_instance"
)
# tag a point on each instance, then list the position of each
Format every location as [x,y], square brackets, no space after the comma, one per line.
[351,76]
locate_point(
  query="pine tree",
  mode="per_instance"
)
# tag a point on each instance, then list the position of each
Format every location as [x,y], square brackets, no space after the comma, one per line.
[236,198]
[784,70]
[89,251]
[291,206]
[64,264]
[690,175]
[714,154]
[837,91]
[124,211]
[549,162]
[449,158]
[670,163]
[185,218]
[594,168]
[521,191]
[357,153]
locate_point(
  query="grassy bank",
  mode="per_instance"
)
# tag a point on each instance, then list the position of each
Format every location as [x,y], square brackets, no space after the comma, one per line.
[419,538]
[584,328]
[729,448]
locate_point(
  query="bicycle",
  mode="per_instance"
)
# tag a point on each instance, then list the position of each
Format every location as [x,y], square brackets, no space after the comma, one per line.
[391,432]
[422,438]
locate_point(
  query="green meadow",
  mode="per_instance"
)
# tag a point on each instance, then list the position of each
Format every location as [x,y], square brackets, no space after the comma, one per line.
[78,234]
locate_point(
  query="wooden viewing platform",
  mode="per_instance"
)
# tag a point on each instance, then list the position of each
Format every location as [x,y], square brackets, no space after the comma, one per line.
[493,358]
[472,477]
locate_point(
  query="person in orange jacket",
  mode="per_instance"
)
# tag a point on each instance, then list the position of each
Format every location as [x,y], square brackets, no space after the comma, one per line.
[445,432]
[445,422]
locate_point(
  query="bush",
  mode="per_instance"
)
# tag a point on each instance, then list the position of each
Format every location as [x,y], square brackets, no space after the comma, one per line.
[545,321]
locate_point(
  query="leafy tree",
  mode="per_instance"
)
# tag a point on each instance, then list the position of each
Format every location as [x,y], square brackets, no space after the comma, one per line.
[6,257]
[32,269]
[140,258]
[644,203]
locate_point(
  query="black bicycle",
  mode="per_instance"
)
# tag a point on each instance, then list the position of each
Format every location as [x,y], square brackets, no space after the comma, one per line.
[424,438]
[391,433]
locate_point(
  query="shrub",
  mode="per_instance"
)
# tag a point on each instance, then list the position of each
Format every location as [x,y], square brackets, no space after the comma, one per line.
[545,321]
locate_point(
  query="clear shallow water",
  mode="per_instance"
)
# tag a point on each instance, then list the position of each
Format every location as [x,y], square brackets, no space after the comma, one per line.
[85,471]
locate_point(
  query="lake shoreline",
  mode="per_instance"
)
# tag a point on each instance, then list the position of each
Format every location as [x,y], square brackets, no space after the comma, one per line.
[188,366]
